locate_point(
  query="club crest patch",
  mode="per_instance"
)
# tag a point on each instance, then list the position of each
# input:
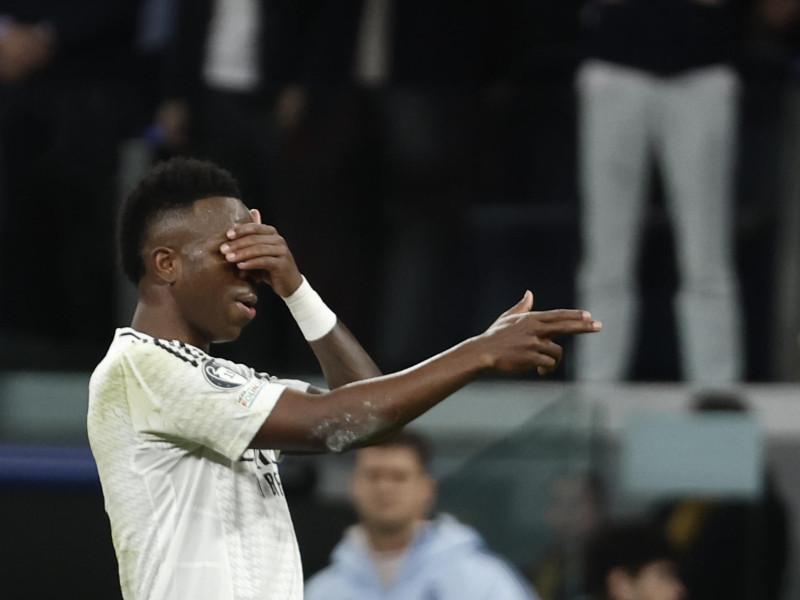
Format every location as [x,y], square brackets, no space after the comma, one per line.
[222,376]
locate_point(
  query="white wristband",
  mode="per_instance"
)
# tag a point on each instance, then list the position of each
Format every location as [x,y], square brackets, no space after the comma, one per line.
[312,315]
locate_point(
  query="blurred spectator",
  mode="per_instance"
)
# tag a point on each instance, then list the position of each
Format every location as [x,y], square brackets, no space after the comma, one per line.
[577,508]
[777,33]
[64,105]
[658,85]
[727,547]
[631,561]
[156,30]
[231,81]
[442,60]
[327,189]
[396,551]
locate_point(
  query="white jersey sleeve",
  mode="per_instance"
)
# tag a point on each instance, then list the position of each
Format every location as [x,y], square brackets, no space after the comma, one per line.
[179,393]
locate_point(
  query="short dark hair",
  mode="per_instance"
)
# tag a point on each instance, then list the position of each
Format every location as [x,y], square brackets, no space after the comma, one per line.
[414,442]
[630,546]
[175,183]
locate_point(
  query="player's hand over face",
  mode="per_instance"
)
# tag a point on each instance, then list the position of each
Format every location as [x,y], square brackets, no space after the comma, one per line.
[521,340]
[259,251]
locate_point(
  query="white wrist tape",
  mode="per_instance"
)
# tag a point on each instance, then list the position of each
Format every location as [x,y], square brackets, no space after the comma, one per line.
[312,315]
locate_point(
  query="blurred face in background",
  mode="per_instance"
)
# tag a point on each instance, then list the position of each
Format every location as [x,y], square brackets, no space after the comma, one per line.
[573,509]
[391,489]
[657,580]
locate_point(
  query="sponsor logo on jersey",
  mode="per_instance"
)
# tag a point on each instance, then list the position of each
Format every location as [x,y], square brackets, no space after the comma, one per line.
[247,396]
[223,376]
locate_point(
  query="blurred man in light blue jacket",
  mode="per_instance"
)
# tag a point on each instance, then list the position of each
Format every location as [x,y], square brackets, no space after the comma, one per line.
[396,552]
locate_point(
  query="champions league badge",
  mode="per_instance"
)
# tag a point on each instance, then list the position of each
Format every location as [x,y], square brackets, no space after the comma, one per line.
[222,376]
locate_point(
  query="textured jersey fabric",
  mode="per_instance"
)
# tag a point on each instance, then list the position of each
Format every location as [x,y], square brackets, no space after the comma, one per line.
[194,513]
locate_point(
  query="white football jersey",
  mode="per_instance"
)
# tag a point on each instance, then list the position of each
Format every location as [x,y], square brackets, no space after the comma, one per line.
[194,513]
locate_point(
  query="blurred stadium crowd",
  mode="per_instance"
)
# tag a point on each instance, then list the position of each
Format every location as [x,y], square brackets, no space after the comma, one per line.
[422,159]
[419,156]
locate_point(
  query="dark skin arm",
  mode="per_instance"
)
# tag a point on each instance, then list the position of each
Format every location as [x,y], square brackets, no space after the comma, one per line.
[365,408]
[342,358]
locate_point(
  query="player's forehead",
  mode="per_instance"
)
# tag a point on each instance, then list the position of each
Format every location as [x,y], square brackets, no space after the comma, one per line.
[217,214]
[205,222]
[387,457]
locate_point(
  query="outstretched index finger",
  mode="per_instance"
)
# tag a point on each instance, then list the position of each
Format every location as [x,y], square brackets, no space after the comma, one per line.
[562,314]
[568,326]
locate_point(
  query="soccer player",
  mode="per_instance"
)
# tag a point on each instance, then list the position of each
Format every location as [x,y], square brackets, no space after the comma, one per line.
[397,551]
[187,444]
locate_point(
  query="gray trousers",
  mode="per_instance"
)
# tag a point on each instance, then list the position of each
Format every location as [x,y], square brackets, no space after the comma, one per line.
[688,123]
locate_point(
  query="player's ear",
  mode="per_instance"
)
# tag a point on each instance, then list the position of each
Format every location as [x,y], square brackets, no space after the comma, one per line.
[166,264]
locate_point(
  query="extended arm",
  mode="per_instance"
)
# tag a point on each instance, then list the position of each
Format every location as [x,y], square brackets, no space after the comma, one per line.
[359,411]
[342,358]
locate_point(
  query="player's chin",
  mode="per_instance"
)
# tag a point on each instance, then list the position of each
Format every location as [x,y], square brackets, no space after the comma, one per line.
[237,319]
[229,333]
